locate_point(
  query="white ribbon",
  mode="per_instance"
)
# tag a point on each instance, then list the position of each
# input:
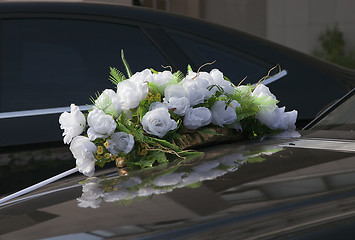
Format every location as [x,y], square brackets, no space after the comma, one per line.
[38,185]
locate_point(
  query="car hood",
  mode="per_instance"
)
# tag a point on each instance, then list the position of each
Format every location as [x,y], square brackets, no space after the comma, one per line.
[262,189]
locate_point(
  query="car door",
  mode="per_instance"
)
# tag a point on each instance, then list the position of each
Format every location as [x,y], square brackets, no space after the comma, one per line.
[49,61]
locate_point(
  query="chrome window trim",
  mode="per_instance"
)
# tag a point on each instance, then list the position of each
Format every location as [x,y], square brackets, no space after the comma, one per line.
[38,112]
[275,77]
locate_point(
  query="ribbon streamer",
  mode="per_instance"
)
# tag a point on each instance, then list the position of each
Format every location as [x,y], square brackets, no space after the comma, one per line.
[39,185]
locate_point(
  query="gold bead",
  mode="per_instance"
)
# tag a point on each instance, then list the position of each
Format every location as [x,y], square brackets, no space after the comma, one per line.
[120,162]
[122,172]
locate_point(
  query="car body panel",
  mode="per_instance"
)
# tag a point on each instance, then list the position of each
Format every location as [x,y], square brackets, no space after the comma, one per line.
[274,191]
[275,187]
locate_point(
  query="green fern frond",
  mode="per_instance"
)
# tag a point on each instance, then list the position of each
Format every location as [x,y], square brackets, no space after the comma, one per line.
[179,76]
[264,103]
[93,99]
[116,76]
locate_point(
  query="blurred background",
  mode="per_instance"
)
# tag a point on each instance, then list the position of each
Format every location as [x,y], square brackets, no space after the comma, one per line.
[323,28]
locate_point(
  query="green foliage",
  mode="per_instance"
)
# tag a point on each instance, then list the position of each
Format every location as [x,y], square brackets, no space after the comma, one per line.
[250,105]
[125,63]
[179,76]
[253,128]
[151,159]
[255,159]
[116,76]
[333,48]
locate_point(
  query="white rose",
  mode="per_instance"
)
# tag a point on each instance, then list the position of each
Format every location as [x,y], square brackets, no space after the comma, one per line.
[196,88]
[278,119]
[197,117]
[120,142]
[143,76]
[132,91]
[101,124]
[158,122]
[109,102]
[155,105]
[178,105]
[162,80]
[222,115]
[218,79]
[176,90]
[73,123]
[262,91]
[83,151]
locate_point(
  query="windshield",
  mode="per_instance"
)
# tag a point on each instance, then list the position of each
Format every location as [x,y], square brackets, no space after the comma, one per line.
[340,116]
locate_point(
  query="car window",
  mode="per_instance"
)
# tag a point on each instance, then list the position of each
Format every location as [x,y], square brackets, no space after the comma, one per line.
[235,64]
[341,116]
[47,62]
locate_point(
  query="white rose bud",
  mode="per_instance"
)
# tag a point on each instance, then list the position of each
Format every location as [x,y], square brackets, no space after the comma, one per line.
[83,151]
[197,117]
[101,124]
[73,123]
[158,122]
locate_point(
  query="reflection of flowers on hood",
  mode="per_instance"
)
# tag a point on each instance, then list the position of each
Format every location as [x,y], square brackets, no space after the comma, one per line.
[128,188]
[92,193]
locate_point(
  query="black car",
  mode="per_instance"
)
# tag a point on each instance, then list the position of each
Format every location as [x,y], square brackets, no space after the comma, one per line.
[273,188]
[52,52]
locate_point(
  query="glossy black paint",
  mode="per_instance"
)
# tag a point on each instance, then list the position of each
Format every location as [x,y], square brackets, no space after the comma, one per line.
[293,193]
[277,190]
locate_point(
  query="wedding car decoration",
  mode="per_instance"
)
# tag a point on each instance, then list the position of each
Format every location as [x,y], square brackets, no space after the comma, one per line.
[152,117]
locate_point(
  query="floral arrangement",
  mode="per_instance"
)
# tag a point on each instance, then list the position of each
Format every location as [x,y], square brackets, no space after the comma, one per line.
[145,121]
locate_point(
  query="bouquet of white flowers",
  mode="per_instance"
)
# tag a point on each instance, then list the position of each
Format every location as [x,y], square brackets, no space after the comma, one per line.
[155,116]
